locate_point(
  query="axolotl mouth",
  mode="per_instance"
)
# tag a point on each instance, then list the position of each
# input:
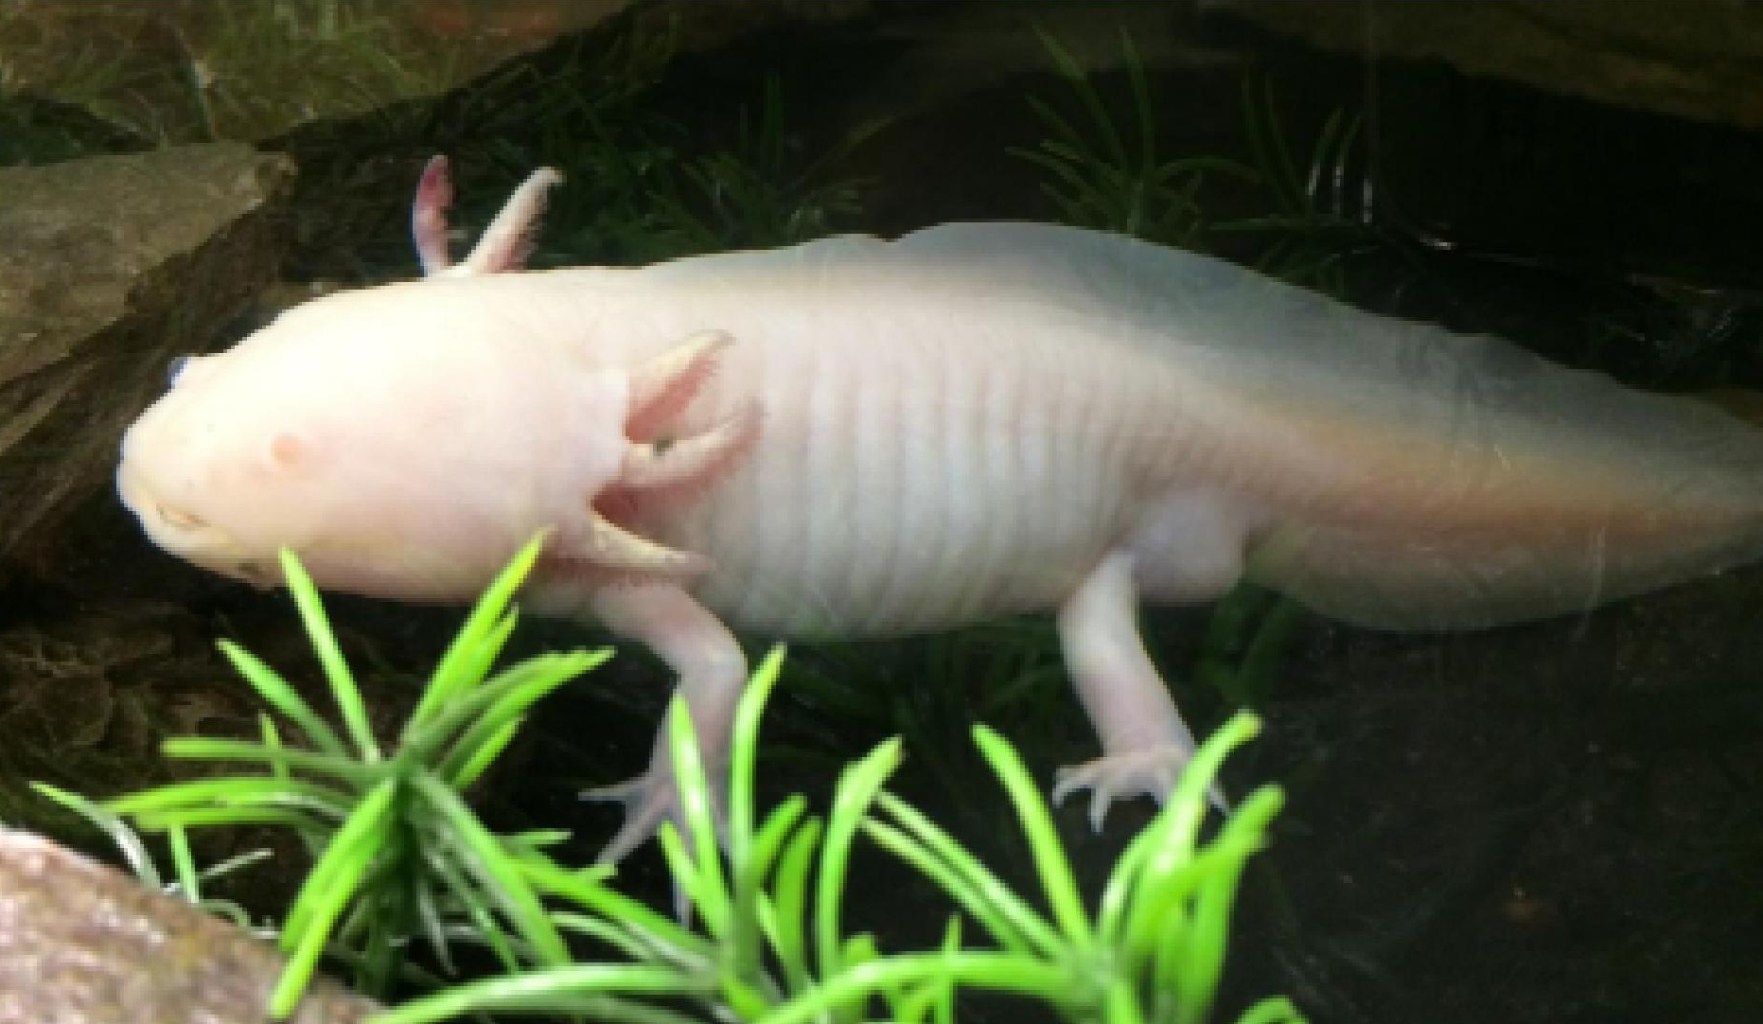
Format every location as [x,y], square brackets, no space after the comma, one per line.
[189,537]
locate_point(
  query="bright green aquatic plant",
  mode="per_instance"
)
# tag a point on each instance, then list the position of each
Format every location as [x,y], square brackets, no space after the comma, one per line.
[397,852]
[399,855]
[188,880]
[772,948]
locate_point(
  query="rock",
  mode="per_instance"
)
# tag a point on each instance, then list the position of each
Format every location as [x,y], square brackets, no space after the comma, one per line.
[81,943]
[1697,60]
[111,266]
[87,699]
[206,70]
[707,27]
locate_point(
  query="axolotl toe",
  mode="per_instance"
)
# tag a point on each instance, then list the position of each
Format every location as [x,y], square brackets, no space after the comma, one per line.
[864,438]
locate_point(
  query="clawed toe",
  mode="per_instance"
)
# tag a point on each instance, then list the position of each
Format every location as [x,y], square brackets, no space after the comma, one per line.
[648,800]
[1152,770]
[1118,777]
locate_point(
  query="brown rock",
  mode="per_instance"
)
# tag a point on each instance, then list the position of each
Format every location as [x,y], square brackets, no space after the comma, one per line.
[81,943]
[111,266]
[206,70]
[1695,60]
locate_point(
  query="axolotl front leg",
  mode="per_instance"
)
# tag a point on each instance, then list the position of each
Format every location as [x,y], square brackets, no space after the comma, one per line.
[648,607]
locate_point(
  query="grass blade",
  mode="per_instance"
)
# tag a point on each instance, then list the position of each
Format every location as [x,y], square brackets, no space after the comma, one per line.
[276,691]
[1057,880]
[330,656]
[483,624]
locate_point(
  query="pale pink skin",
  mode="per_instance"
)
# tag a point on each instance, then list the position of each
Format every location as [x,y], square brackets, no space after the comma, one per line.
[859,438]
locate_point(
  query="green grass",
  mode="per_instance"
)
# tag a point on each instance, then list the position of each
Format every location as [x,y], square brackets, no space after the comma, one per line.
[400,856]
[188,881]
[772,945]
[1105,171]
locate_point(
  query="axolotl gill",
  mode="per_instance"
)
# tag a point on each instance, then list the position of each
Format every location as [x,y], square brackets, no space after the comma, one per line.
[856,437]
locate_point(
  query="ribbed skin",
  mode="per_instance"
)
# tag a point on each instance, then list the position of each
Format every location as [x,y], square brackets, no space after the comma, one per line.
[901,484]
[963,423]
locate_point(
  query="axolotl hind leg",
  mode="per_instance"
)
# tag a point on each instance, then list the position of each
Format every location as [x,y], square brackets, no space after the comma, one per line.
[1188,547]
[1145,743]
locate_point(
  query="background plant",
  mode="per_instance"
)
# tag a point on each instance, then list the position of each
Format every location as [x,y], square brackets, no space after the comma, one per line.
[1319,214]
[1105,169]
[759,193]
[641,186]
[1107,175]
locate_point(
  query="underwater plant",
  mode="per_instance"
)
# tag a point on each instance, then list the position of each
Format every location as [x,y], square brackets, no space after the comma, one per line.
[759,194]
[189,879]
[1105,171]
[397,853]
[1315,223]
[582,110]
[1113,179]
[772,947]
[642,187]
[646,200]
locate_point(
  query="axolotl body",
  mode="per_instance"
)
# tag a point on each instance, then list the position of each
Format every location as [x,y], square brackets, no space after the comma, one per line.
[864,438]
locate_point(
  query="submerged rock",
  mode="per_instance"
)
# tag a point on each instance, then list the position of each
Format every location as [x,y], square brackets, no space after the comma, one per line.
[207,70]
[1697,60]
[81,943]
[111,266]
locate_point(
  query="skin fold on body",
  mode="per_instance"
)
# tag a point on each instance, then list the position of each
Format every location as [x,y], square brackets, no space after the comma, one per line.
[864,438]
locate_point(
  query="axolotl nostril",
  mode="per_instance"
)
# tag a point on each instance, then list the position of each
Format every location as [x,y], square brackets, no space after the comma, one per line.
[865,438]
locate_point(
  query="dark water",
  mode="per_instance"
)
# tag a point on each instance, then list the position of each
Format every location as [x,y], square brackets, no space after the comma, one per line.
[1556,822]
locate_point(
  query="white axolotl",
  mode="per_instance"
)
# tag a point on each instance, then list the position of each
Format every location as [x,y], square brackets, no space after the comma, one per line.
[864,438]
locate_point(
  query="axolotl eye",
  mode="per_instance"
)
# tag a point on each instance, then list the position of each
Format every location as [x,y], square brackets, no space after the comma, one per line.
[174,370]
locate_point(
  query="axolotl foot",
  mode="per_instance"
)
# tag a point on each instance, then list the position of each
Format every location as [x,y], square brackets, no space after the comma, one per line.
[650,799]
[1148,771]
[712,673]
[1146,745]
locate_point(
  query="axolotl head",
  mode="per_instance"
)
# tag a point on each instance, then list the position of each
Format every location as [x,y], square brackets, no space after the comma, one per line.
[404,441]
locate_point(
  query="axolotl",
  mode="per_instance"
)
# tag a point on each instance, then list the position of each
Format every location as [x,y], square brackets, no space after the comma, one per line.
[857,437]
